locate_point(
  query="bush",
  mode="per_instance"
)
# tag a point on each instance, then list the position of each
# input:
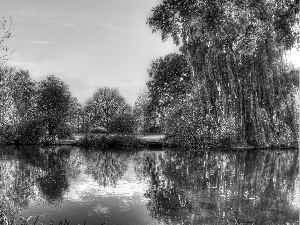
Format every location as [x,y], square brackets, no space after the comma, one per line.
[92,140]
[29,132]
[115,141]
[124,123]
[124,141]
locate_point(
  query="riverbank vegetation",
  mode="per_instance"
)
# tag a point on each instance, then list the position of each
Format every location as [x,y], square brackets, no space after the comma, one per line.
[229,86]
[241,88]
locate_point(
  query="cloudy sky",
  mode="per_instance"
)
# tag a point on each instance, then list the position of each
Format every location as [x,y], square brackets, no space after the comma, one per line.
[87,44]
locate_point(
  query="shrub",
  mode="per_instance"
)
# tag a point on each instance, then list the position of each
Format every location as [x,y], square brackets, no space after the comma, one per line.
[92,140]
[124,141]
[29,132]
[124,123]
[110,141]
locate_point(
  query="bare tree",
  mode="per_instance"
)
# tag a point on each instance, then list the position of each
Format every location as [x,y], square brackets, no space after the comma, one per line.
[6,30]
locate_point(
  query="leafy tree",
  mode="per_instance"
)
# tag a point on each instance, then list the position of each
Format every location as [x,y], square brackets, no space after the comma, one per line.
[18,94]
[235,50]
[24,95]
[105,105]
[53,103]
[19,123]
[171,80]
[8,111]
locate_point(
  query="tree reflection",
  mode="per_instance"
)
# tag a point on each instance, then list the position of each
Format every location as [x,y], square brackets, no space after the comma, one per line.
[28,171]
[54,183]
[17,179]
[106,167]
[220,188]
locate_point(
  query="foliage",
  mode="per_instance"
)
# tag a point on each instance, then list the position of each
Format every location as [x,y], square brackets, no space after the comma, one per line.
[190,125]
[170,84]
[17,99]
[23,93]
[123,123]
[53,102]
[226,24]
[29,132]
[75,116]
[92,140]
[235,49]
[104,106]
[171,80]
[142,115]
[111,141]
[31,113]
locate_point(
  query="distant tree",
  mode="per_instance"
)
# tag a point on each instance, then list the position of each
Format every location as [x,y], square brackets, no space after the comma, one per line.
[105,105]
[75,116]
[53,104]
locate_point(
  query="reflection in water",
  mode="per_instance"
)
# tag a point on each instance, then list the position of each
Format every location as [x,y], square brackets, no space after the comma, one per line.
[221,188]
[106,167]
[258,187]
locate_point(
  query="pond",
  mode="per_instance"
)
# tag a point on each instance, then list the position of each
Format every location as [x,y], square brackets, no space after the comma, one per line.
[89,186]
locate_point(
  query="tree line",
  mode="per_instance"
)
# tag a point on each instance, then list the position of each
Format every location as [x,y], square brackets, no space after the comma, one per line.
[43,112]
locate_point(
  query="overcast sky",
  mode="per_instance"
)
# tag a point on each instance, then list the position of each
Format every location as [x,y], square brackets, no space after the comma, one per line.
[86,43]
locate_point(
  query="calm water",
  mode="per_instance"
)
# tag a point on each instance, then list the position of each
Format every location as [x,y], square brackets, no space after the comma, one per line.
[149,187]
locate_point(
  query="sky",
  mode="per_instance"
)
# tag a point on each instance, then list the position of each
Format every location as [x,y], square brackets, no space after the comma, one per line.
[87,44]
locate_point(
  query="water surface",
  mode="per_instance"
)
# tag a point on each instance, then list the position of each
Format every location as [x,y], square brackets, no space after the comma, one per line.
[149,187]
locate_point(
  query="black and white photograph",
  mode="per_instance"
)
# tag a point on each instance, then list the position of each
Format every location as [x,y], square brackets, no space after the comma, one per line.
[149,112]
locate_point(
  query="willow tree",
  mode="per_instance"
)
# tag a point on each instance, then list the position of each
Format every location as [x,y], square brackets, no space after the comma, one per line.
[235,50]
